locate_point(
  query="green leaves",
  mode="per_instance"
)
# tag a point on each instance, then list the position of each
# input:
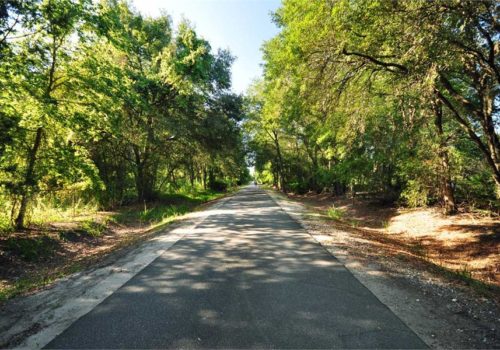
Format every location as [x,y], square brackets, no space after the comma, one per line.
[349,90]
[99,98]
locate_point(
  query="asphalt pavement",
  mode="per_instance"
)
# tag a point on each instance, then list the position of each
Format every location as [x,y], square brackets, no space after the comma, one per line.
[248,276]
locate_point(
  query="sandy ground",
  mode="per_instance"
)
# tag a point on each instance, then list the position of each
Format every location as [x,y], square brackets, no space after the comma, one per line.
[467,242]
[444,312]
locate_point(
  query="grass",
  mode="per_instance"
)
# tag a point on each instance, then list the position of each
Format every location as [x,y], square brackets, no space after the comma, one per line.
[157,214]
[5,222]
[165,209]
[354,223]
[39,247]
[418,248]
[94,228]
[167,205]
[32,249]
[335,213]
[31,283]
[465,276]
[43,212]
[386,225]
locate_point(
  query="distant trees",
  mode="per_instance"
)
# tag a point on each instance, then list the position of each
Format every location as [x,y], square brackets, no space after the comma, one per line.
[99,99]
[394,97]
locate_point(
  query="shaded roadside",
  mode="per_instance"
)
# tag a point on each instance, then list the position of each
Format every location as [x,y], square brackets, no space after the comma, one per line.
[467,243]
[35,258]
[31,321]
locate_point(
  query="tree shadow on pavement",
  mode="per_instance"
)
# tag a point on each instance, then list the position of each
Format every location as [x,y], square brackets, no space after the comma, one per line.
[247,277]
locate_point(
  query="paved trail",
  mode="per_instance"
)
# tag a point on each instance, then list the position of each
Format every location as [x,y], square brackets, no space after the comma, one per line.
[247,277]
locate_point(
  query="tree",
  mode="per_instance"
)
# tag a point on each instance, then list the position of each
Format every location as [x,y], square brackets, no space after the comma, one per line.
[39,78]
[374,95]
[98,100]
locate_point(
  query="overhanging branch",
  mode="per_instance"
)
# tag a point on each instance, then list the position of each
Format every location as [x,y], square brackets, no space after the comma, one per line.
[388,65]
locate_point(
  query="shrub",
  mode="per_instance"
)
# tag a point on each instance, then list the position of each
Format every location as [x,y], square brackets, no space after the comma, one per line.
[415,194]
[93,228]
[335,213]
[218,185]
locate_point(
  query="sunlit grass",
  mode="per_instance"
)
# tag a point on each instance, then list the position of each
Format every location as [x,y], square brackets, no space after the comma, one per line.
[5,221]
[156,214]
[166,208]
[94,228]
[163,210]
[87,221]
[54,215]
[335,213]
[43,212]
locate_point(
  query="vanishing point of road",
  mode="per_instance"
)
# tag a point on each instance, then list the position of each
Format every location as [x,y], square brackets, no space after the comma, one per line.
[248,276]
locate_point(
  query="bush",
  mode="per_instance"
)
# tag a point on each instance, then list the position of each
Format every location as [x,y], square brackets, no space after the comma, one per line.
[162,212]
[335,214]
[93,228]
[415,194]
[218,185]
[298,187]
[5,224]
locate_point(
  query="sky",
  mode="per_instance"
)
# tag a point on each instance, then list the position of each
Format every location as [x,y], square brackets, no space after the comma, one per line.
[238,25]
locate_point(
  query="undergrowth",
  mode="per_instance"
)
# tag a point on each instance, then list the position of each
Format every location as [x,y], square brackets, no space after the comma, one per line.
[335,213]
[39,246]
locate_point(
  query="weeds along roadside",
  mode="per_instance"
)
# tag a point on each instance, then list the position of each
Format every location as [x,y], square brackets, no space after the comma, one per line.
[69,239]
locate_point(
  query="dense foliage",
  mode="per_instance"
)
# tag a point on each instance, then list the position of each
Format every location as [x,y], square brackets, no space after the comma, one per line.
[100,101]
[394,98]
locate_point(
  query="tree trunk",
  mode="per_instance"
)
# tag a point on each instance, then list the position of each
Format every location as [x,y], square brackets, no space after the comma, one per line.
[492,137]
[275,179]
[205,178]
[29,180]
[312,153]
[143,179]
[191,175]
[491,149]
[447,192]
[281,175]
[211,177]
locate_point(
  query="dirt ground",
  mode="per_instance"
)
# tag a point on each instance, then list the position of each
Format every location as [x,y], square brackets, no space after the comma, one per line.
[34,258]
[446,310]
[468,243]
[59,246]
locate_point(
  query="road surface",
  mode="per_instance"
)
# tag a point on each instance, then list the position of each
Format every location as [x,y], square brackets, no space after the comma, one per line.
[247,277]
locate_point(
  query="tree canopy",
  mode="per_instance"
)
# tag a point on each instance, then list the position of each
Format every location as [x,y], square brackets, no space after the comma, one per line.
[98,99]
[394,98]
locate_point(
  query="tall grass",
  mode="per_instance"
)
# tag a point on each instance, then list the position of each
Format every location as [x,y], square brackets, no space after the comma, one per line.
[72,208]
[5,221]
[87,225]
[44,211]
[166,208]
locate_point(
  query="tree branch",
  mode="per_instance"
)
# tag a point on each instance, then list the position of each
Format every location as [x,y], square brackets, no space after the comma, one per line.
[468,129]
[372,59]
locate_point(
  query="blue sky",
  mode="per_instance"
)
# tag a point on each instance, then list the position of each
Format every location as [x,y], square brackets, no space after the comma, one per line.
[238,25]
